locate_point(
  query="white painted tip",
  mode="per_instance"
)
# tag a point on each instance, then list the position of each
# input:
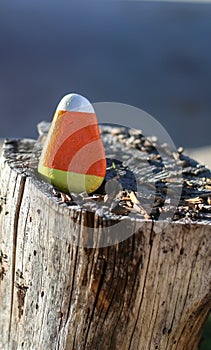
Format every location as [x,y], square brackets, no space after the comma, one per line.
[75,102]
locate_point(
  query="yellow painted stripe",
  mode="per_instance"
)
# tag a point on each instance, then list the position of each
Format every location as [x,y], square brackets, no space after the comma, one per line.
[70,181]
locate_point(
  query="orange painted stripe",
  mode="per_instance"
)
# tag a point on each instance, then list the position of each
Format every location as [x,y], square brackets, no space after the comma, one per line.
[61,152]
[91,154]
[97,168]
[64,124]
[71,121]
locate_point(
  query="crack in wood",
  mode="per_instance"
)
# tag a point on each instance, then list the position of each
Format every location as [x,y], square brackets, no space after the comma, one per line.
[15,233]
[119,316]
[143,289]
[3,265]
[72,285]
[21,293]
[96,292]
[24,236]
[175,274]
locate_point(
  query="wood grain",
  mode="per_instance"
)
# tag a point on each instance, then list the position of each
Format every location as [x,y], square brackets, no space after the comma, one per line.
[151,291]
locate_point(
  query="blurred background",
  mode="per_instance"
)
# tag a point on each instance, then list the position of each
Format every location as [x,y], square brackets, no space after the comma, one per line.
[152,55]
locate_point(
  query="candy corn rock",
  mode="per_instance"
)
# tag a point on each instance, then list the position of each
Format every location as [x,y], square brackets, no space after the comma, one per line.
[73,156]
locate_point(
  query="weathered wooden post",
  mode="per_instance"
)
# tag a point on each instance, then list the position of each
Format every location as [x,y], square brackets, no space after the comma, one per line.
[150,291]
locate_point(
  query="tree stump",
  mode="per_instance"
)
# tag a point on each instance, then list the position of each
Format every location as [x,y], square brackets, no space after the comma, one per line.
[149,291]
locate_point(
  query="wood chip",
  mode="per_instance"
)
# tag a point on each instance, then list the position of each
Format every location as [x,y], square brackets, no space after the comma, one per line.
[137,206]
[119,209]
[196,200]
[129,204]
[65,197]
[175,155]
[133,198]
[180,150]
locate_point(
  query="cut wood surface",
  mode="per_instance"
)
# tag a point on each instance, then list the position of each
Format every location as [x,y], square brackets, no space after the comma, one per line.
[150,291]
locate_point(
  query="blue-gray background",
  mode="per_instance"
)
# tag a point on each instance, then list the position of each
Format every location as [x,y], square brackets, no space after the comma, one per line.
[156,56]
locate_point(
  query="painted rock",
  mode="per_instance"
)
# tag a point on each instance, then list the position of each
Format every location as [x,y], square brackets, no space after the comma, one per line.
[73,156]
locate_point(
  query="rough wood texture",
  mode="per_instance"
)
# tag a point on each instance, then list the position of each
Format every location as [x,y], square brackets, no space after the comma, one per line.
[151,291]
